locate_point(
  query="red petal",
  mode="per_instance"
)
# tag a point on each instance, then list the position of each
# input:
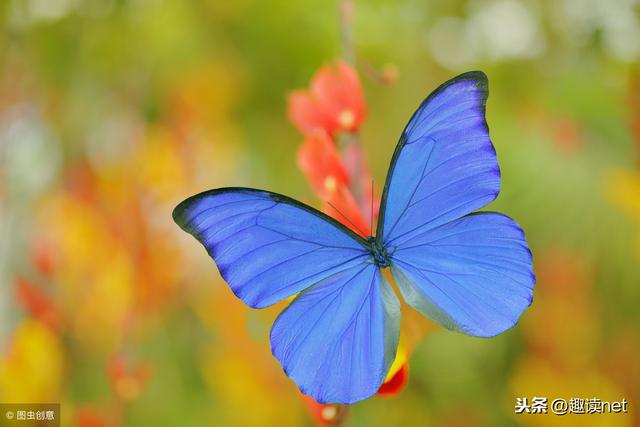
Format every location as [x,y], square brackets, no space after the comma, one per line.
[306,115]
[320,161]
[128,379]
[328,90]
[353,91]
[355,163]
[335,102]
[43,257]
[325,414]
[396,383]
[342,206]
[37,303]
[89,417]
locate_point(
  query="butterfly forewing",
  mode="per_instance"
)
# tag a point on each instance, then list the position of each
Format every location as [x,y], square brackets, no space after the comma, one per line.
[266,246]
[444,166]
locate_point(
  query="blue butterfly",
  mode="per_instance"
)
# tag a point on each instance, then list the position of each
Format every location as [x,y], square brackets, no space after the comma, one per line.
[471,272]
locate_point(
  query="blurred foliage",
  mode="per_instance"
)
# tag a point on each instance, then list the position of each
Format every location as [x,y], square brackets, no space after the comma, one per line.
[112,111]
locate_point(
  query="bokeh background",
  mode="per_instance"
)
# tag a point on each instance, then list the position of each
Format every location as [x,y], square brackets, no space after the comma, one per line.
[112,111]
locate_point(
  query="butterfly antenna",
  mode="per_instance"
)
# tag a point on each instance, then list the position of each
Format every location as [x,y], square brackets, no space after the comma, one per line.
[371,221]
[345,217]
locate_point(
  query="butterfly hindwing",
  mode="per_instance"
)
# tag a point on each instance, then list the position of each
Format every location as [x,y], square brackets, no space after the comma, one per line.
[472,275]
[337,339]
[267,246]
[469,272]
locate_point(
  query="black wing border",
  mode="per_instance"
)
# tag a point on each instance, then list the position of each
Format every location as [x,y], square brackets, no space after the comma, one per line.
[179,214]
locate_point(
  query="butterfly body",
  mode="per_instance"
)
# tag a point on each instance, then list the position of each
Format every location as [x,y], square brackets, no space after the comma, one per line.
[379,254]
[469,271]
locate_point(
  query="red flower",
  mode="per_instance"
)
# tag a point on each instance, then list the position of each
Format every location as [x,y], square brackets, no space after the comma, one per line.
[320,161]
[128,379]
[325,414]
[342,206]
[396,383]
[335,102]
[86,416]
[360,180]
[37,303]
[398,374]
[43,257]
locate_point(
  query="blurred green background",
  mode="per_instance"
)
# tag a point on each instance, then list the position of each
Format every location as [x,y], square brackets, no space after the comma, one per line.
[112,111]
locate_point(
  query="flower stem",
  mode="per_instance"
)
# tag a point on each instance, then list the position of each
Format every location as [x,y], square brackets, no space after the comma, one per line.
[347,10]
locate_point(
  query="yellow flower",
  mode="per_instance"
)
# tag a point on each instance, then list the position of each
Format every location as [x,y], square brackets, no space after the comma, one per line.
[158,164]
[96,274]
[31,368]
[622,189]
